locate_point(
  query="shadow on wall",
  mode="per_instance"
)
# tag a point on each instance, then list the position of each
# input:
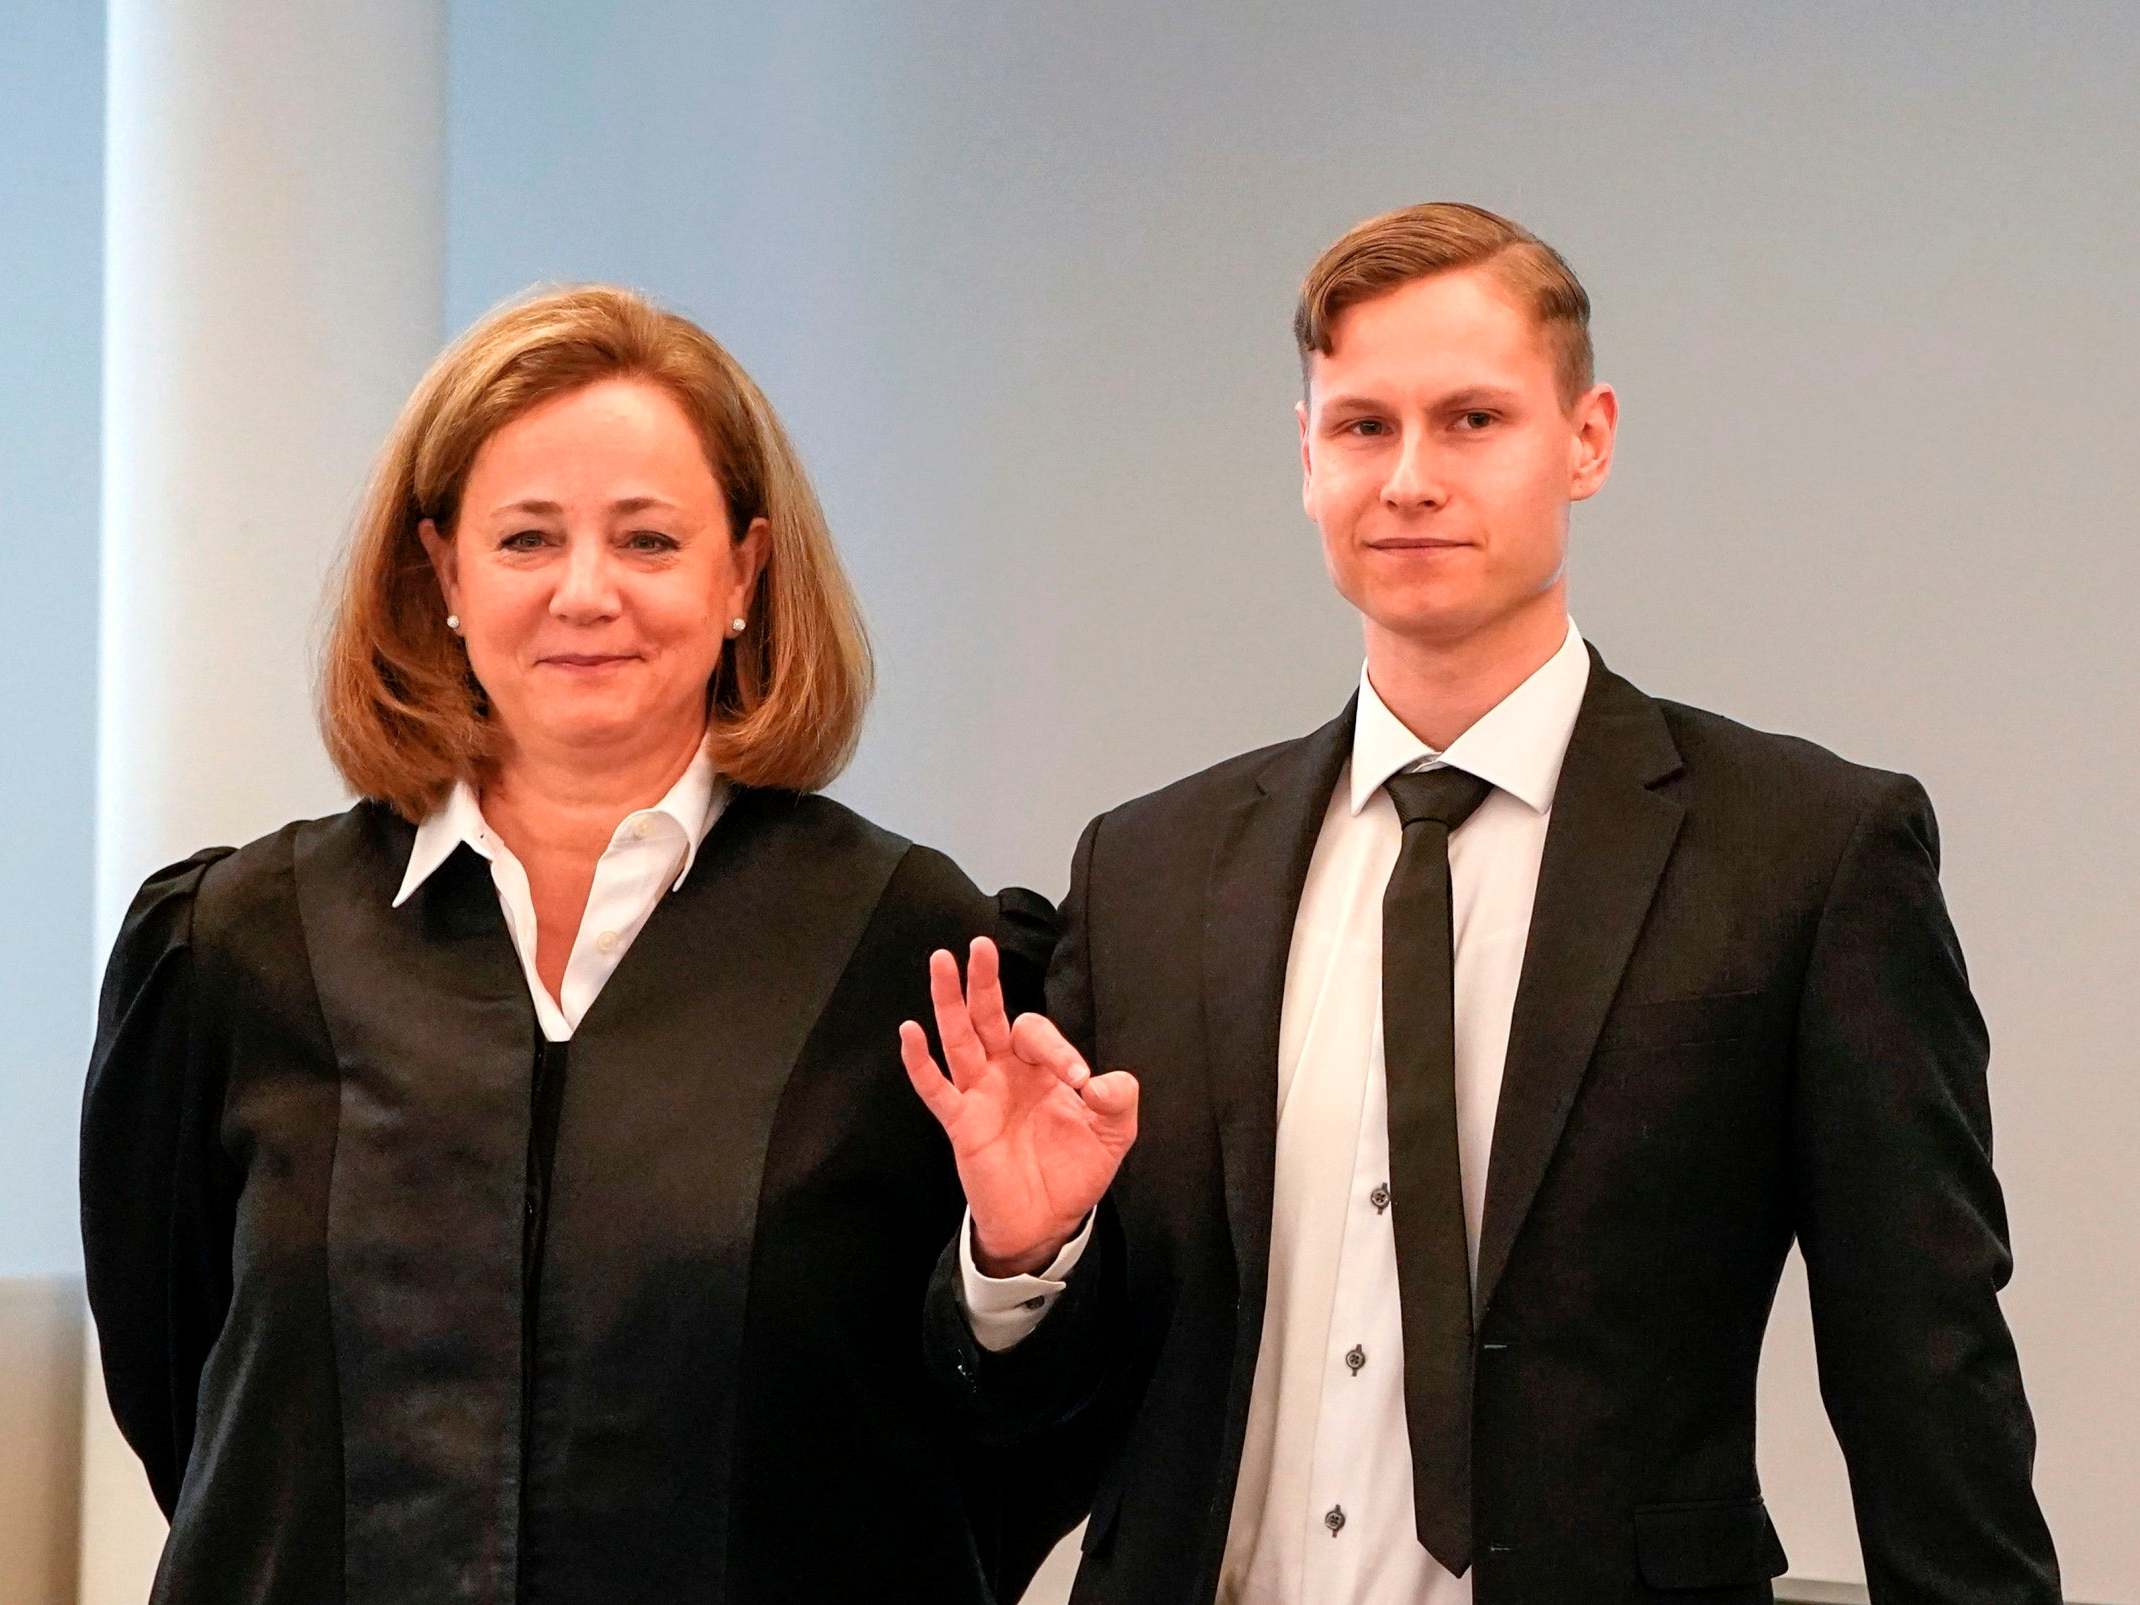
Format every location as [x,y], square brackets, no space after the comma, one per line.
[42,1326]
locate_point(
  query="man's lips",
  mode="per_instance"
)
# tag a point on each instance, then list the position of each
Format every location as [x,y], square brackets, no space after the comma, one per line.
[1415,544]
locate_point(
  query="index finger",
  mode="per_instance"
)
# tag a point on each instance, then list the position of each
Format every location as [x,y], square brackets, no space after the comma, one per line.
[1035,1039]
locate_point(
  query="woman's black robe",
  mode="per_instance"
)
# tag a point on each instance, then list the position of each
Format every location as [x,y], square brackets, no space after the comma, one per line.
[399,1306]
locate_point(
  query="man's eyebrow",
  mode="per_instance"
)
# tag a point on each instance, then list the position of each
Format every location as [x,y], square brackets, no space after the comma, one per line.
[1475,396]
[1350,403]
[1453,401]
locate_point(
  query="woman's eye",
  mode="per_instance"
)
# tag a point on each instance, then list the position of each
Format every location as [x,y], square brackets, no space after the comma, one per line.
[649,540]
[524,540]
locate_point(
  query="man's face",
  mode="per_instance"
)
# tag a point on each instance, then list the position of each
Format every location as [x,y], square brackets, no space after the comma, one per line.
[1439,462]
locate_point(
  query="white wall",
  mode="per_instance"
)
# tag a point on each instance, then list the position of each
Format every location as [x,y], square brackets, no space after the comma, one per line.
[51,155]
[273,265]
[51,249]
[1019,278]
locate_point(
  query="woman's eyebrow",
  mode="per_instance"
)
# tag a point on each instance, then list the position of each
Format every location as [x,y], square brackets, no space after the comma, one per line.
[543,509]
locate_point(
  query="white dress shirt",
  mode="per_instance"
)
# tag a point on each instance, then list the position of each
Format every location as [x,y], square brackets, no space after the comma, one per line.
[1322,1511]
[648,856]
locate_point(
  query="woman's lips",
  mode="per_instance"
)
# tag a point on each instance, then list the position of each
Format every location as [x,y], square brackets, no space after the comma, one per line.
[587,660]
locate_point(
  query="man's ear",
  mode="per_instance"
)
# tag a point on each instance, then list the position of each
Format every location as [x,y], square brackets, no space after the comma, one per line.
[1300,415]
[445,563]
[1596,417]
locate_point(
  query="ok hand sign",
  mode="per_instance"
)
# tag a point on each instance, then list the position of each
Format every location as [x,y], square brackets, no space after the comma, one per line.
[1036,1134]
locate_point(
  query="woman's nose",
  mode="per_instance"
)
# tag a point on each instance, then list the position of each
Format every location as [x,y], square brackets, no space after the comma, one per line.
[586,586]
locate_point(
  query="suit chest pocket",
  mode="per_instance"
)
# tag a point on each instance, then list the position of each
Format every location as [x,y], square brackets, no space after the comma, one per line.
[1657,1026]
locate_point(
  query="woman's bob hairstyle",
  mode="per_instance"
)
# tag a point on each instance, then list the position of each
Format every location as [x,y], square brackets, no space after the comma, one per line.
[403,716]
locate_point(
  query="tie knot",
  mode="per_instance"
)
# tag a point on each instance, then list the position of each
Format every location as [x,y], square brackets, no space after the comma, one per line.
[1446,796]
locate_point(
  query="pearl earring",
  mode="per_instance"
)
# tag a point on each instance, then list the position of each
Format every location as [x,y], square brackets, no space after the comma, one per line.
[453,621]
[735,625]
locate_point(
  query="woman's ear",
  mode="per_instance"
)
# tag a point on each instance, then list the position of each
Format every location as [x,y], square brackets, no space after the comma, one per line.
[445,564]
[751,553]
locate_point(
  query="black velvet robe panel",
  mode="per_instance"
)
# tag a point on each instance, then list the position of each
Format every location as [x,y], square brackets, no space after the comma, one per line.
[307,1219]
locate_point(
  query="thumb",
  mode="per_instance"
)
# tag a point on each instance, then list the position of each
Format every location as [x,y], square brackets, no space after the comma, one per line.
[1112,1098]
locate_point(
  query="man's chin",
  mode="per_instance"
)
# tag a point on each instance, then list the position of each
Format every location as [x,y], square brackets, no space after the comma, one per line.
[1435,623]
[1443,618]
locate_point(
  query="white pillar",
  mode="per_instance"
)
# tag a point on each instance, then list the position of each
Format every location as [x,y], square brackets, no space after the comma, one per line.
[273,280]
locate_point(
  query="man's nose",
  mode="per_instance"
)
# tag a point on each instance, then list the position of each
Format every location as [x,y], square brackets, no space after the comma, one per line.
[1415,478]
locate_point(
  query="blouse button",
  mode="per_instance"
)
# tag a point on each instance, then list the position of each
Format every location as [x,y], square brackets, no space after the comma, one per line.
[1355,1358]
[606,942]
[1335,1520]
[642,828]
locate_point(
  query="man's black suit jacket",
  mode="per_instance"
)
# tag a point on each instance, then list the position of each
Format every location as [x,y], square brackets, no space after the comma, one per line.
[1743,1017]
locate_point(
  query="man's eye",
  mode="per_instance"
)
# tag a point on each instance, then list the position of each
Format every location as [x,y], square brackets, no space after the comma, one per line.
[1368,426]
[1475,419]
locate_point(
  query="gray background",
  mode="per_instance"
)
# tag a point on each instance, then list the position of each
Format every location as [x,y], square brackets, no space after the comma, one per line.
[51,202]
[1019,278]
[51,256]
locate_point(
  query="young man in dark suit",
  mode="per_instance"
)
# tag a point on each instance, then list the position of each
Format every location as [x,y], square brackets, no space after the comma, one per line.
[1496,1041]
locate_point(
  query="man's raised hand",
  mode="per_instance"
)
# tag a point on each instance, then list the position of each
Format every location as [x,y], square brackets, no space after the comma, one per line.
[1036,1134]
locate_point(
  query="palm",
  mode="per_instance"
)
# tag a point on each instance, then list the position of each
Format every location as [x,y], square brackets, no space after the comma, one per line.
[1028,1146]
[1036,1136]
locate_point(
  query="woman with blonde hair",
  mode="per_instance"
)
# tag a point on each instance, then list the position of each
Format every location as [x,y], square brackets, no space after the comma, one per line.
[506,1189]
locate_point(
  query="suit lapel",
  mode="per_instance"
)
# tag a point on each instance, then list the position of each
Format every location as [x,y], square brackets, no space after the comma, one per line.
[1257,870]
[1605,848]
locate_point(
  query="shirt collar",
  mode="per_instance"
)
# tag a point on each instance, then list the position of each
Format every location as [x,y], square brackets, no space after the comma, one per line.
[1516,745]
[691,805]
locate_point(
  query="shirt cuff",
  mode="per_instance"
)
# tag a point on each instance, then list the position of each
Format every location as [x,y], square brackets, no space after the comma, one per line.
[1003,1310]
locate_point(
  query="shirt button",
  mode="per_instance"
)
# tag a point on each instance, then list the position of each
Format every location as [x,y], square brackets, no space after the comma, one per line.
[1334,1519]
[1355,1357]
[1380,1197]
[642,828]
[606,942]
[1038,1301]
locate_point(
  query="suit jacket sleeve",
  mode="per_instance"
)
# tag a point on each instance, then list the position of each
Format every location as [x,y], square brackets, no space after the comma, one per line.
[1904,1232]
[156,1198]
[1054,1373]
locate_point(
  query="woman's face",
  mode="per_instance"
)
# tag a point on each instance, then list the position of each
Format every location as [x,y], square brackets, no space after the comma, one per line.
[595,574]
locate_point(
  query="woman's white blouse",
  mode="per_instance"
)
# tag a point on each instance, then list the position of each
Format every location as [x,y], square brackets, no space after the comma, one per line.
[650,854]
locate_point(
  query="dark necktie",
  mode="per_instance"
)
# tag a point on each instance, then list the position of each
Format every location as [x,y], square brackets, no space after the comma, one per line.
[1426,1185]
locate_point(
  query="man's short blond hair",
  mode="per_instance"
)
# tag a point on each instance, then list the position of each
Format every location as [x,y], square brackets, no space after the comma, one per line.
[1417,242]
